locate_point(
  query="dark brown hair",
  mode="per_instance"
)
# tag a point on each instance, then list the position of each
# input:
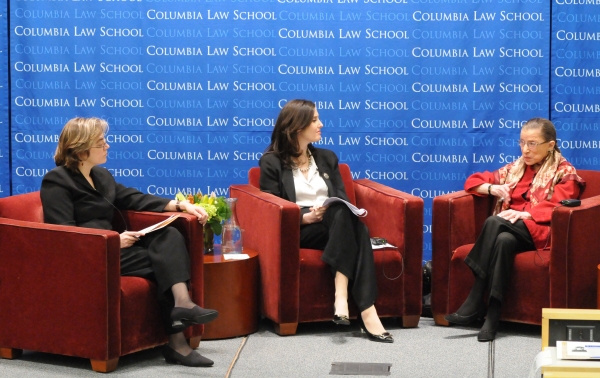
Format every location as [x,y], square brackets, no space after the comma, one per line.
[546,128]
[76,138]
[294,117]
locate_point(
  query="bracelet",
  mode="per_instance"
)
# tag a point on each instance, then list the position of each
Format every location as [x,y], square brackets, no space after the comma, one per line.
[177,206]
[490,189]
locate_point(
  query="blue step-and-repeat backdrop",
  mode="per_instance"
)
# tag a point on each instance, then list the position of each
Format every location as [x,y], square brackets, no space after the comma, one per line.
[414,94]
[5,171]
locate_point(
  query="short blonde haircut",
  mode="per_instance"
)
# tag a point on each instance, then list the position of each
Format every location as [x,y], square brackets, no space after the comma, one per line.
[76,139]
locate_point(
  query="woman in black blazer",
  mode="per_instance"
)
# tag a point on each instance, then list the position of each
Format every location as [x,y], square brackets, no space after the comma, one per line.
[293,169]
[80,193]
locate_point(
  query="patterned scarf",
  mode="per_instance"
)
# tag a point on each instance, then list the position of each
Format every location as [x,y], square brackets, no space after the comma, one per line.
[552,171]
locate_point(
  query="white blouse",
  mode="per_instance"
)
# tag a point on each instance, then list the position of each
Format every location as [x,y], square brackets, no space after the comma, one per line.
[310,191]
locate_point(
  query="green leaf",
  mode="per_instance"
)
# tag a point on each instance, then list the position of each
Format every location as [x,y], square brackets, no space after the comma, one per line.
[216,227]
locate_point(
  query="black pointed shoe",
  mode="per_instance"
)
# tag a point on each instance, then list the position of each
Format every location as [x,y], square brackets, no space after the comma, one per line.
[185,317]
[341,320]
[385,337]
[486,336]
[457,318]
[194,359]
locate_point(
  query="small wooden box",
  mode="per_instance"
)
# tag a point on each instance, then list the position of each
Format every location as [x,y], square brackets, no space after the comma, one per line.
[568,368]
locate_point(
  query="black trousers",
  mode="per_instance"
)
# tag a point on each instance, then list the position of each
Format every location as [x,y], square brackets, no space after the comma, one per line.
[493,254]
[160,256]
[346,247]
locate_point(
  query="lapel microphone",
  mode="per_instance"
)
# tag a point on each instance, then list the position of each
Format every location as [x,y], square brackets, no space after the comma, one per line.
[116,208]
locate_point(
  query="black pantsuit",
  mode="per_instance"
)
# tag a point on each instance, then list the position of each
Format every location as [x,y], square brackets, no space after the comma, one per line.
[492,255]
[346,247]
[342,236]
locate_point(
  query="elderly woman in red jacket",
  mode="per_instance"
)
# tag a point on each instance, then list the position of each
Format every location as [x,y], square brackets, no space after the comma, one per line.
[527,191]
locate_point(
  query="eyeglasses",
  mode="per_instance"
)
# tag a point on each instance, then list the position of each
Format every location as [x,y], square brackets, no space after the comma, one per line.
[102,145]
[531,144]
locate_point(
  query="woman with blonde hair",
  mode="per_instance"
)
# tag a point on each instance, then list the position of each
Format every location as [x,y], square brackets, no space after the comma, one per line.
[79,192]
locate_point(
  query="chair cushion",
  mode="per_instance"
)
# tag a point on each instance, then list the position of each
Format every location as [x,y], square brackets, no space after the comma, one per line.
[254,177]
[13,207]
[592,181]
[348,183]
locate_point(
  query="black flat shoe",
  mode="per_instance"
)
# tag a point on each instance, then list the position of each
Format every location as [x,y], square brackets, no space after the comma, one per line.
[341,320]
[457,318]
[385,337]
[194,359]
[185,317]
[486,336]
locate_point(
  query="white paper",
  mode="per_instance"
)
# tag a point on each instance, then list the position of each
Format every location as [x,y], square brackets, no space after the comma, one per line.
[386,245]
[577,350]
[358,212]
[159,225]
[543,358]
[235,256]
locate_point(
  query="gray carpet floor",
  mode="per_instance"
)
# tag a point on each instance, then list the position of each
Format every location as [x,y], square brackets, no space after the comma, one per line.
[423,352]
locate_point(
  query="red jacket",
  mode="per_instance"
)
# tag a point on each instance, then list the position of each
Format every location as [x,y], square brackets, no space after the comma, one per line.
[539,226]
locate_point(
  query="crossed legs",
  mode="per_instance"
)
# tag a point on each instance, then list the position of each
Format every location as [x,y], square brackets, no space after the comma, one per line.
[369,316]
[162,257]
[491,261]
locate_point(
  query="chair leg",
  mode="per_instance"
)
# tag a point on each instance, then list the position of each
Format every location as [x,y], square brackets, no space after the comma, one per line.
[439,320]
[286,329]
[195,342]
[410,321]
[10,353]
[104,366]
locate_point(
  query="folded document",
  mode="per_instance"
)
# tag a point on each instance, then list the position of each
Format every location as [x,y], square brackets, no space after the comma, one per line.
[358,212]
[160,224]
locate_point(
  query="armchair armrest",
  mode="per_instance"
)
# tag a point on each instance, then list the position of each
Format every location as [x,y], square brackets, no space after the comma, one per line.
[272,228]
[457,220]
[574,256]
[50,274]
[398,217]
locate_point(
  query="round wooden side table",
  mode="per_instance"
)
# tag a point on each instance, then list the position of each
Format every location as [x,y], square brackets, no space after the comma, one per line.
[231,287]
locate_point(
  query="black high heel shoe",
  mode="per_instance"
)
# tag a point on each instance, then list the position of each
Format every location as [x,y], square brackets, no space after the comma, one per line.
[341,320]
[194,359]
[185,317]
[385,337]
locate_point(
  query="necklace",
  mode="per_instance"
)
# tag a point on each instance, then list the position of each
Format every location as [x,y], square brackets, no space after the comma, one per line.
[304,170]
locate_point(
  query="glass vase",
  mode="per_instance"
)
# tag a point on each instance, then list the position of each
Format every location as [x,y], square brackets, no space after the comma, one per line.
[231,241]
[209,240]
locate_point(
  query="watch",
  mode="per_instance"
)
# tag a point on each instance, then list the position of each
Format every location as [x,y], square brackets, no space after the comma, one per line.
[177,206]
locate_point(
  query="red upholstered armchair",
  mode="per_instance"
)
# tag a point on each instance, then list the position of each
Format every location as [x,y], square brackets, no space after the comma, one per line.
[61,291]
[565,276]
[298,287]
